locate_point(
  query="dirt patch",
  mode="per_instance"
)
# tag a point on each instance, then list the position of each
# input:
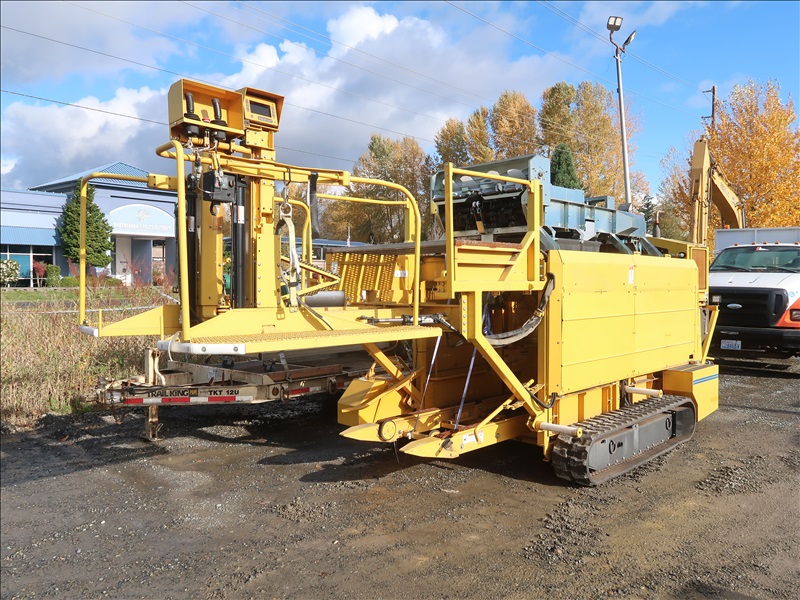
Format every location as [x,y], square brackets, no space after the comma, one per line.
[270,502]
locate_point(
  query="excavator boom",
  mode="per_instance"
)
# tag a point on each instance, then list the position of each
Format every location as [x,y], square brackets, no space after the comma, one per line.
[709,186]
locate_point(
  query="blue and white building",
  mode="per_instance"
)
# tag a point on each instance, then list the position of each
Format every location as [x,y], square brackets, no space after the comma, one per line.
[142,221]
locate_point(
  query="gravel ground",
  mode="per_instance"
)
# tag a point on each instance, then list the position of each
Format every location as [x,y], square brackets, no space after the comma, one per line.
[270,502]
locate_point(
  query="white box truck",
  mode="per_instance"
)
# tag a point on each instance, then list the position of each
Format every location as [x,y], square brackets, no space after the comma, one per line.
[755,280]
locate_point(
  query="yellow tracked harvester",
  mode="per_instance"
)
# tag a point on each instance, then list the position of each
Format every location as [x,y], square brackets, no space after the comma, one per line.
[540,315]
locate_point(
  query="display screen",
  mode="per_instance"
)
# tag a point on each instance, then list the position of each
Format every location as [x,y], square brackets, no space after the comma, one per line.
[262,110]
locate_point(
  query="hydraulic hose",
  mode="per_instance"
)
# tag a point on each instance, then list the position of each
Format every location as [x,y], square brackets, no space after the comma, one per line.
[499,340]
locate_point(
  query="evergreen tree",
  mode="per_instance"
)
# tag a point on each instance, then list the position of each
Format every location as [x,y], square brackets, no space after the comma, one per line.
[649,209]
[562,168]
[98,231]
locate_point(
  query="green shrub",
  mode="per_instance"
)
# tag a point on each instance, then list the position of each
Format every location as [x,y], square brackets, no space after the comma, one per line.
[69,281]
[111,282]
[52,277]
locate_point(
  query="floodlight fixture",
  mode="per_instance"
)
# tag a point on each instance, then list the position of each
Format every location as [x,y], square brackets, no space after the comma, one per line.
[629,40]
[614,24]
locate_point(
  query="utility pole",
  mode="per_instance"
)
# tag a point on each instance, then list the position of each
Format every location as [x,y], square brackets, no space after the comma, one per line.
[614,24]
[713,91]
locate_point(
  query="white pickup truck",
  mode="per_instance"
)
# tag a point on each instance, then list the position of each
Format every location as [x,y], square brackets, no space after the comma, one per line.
[755,280]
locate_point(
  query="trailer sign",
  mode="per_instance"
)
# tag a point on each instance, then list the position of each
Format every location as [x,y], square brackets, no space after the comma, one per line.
[192,396]
[173,393]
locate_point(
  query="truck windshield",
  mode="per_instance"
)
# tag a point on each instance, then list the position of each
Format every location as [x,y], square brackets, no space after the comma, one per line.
[758,258]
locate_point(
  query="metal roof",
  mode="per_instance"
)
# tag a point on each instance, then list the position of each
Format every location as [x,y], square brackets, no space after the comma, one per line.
[27,236]
[118,168]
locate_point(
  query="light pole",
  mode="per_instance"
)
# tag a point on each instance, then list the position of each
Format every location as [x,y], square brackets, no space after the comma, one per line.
[614,24]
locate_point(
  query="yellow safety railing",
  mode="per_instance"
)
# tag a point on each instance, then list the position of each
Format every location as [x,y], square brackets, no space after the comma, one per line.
[534,211]
[174,149]
[411,208]
[82,258]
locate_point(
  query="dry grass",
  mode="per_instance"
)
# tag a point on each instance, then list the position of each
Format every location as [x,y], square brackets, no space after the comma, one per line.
[47,365]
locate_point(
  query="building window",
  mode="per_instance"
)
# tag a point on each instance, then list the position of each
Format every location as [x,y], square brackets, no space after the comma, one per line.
[25,255]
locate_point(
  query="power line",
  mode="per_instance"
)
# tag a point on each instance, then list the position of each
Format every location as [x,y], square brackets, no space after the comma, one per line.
[558,126]
[570,19]
[135,118]
[355,121]
[325,38]
[116,114]
[107,112]
[243,60]
[524,41]
[329,57]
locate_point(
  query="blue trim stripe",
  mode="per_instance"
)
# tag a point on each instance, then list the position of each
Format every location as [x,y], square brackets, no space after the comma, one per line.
[704,379]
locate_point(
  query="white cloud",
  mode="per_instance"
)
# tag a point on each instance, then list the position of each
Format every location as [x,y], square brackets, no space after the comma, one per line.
[80,139]
[6,165]
[359,24]
[254,65]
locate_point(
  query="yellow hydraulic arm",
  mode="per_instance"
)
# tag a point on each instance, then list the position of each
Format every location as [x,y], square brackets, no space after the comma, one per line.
[710,186]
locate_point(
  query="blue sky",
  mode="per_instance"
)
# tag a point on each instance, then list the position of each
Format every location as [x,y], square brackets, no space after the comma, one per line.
[348,69]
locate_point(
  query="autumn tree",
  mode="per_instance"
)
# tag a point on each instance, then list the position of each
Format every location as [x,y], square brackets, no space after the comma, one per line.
[562,168]
[478,137]
[755,141]
[506,130]
[596,140]
[513,126]
[402,162]
[676,195]
[556,119]
[598,148]
[451,144]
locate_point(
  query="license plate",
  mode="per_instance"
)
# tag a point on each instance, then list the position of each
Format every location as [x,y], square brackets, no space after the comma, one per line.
[730,344]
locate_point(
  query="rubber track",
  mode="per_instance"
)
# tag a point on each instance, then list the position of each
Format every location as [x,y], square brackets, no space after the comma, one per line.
[570,454]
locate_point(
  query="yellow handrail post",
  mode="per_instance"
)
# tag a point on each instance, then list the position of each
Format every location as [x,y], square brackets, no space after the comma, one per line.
[82,256]
[450,244]
[183,254]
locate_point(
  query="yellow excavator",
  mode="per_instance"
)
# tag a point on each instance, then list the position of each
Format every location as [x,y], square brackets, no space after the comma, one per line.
[539,316]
